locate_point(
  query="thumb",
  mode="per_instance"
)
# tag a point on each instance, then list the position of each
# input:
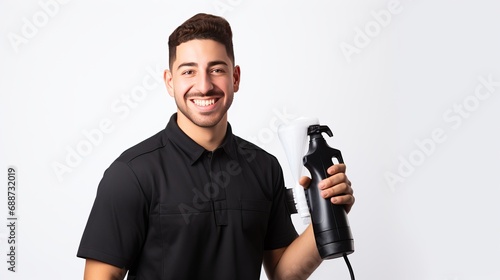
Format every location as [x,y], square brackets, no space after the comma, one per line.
[304,181]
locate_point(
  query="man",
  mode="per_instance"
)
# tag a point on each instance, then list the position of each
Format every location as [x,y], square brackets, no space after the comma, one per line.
[195,201]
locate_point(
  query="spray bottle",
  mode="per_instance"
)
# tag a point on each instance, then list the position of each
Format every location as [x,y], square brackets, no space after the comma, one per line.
[330,224]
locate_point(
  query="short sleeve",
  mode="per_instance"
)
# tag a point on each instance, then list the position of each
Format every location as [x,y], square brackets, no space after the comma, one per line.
[281,231]
[116,227]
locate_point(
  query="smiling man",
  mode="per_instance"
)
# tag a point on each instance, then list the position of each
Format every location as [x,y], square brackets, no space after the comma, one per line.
[202,81]
[195,201]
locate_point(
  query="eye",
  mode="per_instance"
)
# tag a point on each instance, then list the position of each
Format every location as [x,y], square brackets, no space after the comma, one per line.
[187,72]
[217,71]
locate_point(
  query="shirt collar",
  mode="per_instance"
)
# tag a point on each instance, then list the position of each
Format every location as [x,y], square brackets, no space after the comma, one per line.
[193,149]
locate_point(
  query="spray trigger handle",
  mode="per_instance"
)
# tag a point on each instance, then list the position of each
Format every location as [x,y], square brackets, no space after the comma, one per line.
[318,129]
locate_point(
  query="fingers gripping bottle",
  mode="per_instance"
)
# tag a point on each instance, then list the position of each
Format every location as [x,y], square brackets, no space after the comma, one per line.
[331,226]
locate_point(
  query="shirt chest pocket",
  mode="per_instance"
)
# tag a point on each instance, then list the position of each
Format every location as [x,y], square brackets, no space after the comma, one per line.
[181,219]
[255,217]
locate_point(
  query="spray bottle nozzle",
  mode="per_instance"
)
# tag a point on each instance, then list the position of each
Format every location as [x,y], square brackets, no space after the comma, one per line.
[318,129]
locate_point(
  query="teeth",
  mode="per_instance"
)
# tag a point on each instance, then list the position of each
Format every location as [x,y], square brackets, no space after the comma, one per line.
[204,103]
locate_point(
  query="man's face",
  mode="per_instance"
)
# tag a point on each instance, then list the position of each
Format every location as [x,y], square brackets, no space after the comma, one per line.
[203,82]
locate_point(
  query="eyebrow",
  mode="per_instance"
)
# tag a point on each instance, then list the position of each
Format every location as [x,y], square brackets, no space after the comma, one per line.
[210,64]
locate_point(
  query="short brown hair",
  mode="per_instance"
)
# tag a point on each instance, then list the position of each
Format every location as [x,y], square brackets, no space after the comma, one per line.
[201,26]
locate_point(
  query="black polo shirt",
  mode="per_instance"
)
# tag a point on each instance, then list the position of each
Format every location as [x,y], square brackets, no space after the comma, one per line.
[169,209]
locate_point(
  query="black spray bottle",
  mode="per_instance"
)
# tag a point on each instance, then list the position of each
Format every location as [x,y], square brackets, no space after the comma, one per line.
[330,223]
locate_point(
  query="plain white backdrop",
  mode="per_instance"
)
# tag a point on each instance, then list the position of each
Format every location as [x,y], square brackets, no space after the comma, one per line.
[410,89]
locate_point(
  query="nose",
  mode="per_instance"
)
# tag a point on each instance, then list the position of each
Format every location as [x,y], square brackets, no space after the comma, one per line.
[204,83]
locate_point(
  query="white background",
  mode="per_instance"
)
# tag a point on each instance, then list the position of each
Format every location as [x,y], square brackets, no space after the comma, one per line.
[68,66]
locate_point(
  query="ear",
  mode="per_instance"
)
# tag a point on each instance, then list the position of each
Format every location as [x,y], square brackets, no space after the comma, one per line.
[236,78]
[169,83]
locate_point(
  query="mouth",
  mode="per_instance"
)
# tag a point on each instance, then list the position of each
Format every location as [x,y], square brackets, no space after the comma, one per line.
[206,105]
[204,102]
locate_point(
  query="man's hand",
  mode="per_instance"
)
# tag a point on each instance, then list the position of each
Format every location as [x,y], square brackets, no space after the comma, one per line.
[337,187]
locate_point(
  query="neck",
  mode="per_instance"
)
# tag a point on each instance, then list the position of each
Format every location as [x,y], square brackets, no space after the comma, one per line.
[209,138]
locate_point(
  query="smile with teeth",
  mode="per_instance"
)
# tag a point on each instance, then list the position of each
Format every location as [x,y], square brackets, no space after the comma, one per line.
[203,102]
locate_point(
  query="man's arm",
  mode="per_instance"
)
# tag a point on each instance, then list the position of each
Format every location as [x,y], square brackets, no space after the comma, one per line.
[96,270]
[301,257]
[295,262]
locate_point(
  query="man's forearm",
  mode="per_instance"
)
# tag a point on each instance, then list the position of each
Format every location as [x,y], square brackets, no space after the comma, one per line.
[300,258]
[96,270]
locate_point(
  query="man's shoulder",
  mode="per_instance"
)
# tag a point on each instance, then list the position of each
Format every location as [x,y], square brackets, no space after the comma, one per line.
[247,145]
[144,148]
[248,148]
